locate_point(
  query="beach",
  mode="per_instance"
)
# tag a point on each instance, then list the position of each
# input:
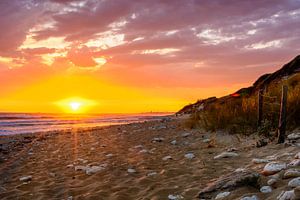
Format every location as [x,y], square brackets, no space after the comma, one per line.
[148,160]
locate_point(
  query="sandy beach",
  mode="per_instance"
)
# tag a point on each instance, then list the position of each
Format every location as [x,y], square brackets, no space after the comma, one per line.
[150,160]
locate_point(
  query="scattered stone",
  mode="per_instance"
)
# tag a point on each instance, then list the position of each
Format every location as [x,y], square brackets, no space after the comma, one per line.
[82,160]
[130,170]
[93,169]
[167,158]
[70,198]
[185,134]
[143,151]
[265,189]
[174,197]
[286,195]
[232,149]
[222,195]
[109,155]
[52,174]
[254,197]
[189,156]
[294,163]
[206,140]
[259,161]
[230,182]
[294,182]
[297,192]
[80,168]
[291,173]
[272,181]
[273,167]
[26,178]
[138,146]
[152,174]
[293,136]
[174,142]
[297,156]
[226,155]
[158,139]
[70,166]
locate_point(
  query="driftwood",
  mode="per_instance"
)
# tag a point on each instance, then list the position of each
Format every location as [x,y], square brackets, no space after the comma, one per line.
[230,182]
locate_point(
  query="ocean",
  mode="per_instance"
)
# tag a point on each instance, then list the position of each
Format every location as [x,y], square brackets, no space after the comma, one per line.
[21,123]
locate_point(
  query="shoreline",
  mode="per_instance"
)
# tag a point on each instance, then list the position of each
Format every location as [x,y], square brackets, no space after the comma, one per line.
[149,160]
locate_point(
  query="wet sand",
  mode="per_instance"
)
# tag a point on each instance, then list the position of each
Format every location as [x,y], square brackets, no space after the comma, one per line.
[51,160]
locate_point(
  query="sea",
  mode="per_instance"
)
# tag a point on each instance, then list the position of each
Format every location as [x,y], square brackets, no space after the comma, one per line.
[22,123]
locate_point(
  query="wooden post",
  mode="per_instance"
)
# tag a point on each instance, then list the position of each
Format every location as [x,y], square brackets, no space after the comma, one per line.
[260,108]
[282,118]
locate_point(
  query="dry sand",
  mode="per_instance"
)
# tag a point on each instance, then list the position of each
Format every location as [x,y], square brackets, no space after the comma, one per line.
[46,158]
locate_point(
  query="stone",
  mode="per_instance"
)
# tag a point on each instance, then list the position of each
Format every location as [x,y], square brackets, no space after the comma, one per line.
[294,163]
[152,174]
[222,195]
[189,156]
[229,182]
[295,182]
[26,178]
[273,167]
[130,170]
[158,139]
[253,197]
[80,168]
[93,169]
[167,158]
[265,189]
[138,146]
[293,136]
[272,181]
[286,195]
[226,155]
[259,161]
[206,140]
[174,197]
[297,192]
[70,166]
[174,142]
[297,156]
[109,155]
[143,151]
[52,174]
[291,173]
[185,134]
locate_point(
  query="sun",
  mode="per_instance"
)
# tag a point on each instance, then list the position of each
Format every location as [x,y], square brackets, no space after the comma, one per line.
[75,105]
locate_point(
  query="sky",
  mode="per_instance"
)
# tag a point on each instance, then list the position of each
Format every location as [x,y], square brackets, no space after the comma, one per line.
[128,56]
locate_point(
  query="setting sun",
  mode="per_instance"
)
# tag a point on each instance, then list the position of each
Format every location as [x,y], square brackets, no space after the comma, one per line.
[75,105]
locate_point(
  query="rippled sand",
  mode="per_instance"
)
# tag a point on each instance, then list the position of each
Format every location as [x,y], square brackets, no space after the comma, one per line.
[130,146]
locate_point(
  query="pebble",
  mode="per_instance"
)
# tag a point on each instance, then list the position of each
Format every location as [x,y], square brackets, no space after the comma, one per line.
[265,189]
[80,167]
[259,161]
[294,163]
[272,181]
[152,174]
[93,169]
[291,173]
[70,166]
[109,155]
[158,139]
[294,136]
[206,140]
[286,195]
[174,142]
[189,156]
[143,151]
[174,197]
[294,182]
[226,155]
[138,146]
[273,167]
[254,197]
[297,156]
[167,158]
[52,174]
[222,195]
[130,170]
[185,134]
[26,178]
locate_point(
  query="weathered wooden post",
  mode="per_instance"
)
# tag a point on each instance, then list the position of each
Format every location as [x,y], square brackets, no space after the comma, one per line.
[282,118]
[260,108]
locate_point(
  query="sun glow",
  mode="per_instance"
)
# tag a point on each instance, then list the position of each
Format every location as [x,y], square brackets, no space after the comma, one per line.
[75,105]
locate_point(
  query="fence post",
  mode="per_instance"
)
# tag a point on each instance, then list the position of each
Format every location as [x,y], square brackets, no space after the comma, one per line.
[282,118]
[260,108]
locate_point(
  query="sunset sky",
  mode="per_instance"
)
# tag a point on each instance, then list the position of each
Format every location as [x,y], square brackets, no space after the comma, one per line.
[121,56]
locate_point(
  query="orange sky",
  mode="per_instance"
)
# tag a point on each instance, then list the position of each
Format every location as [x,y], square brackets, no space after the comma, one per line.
[127,56]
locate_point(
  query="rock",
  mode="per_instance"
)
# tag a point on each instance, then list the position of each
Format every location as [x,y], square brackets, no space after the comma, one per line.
[152,174]
[272,181]
[232,149]
[185,134]
[52,174]
[230,182]
[254,197]
[189,156]
[174,142]
[294,163]
[143,151]
[138,146]
[130,170]
[286,195]
[206,140]
[109,155]
[226,155]
[293,136]
[297,192]
[291,173]
[70,166]
[265,189]
[294,182]
[80,168]
[174,197]
[158,139]
[93,169]
[222,195]
[261,143]
[273,167]
[259,161]
[26,178]
[297,156]
[167,158]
